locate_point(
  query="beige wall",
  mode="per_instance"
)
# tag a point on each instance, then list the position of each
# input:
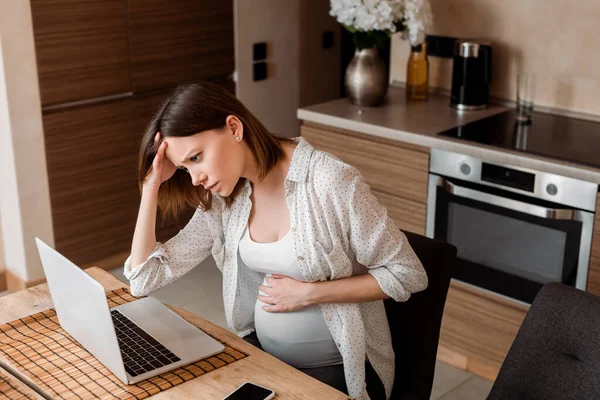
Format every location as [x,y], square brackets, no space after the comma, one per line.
[300,71]
[273,101]
[320,68]
[2,262]
[24,195]
[556,39]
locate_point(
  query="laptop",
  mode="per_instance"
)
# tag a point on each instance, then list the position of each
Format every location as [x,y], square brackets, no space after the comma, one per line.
[135,341]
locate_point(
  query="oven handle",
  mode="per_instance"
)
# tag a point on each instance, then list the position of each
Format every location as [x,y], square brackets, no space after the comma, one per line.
[527,208]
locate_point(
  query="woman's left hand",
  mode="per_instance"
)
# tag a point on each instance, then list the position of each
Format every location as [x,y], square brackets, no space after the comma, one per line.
[285,294]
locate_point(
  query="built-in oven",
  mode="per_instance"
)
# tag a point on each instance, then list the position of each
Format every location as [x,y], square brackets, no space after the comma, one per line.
[515,229]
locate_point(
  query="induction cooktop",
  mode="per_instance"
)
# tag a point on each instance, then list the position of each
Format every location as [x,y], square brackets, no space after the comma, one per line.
[558,137]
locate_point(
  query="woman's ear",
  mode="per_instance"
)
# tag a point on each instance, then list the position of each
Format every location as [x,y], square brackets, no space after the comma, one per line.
[235,127]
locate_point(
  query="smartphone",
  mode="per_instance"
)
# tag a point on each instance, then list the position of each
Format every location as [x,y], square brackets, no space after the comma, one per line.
[250,391]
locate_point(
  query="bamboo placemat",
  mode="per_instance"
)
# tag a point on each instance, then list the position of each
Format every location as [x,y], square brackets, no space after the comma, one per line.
[40,349]
[13,389]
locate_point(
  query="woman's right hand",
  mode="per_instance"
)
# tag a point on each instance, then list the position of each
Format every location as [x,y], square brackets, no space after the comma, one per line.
[162,168]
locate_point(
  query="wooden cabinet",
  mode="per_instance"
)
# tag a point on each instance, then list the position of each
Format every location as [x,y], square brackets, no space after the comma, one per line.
[104,66]
[179,41]
[407,214]
[81,49]
[397,172]
[478,329]
[92,177]
[593,285]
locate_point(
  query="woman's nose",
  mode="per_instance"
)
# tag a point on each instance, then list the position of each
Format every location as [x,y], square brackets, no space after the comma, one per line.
[197,179]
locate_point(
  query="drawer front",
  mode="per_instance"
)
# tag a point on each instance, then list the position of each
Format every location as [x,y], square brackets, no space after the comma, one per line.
[407,214]
[480,327]
[394,170]
[593,285]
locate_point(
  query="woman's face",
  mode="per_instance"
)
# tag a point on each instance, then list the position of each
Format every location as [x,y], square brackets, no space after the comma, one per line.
[213,158]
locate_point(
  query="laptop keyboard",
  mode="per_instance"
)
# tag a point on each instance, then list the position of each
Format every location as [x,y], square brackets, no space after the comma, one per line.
[141,352]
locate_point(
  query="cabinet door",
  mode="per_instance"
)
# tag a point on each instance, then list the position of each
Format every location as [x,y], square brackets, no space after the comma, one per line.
[593,285]
[179,41]
[91,157]
[478,329]
[400,169]
[81,49]
[407,214]
[397,173]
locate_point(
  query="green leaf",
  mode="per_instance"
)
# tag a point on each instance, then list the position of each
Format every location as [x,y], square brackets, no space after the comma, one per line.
[382,39]
[363,40]
[368,39]
[375,38]
[350,29]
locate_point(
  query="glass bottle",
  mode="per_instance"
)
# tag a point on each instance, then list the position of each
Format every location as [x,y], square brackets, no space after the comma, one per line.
[417,73]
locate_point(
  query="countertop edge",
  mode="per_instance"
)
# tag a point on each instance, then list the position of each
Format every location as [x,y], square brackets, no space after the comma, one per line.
[443,143]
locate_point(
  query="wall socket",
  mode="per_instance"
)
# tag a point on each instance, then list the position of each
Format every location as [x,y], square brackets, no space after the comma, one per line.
[259,71]
[440,46]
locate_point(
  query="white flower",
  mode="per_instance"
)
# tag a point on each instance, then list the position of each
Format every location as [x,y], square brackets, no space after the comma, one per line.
[417,18]
[382,15]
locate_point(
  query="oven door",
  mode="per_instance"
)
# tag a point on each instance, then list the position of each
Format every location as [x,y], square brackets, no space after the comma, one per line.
[509,244]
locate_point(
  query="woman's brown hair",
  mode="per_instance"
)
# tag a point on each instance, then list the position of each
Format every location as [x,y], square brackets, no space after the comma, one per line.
[195,108]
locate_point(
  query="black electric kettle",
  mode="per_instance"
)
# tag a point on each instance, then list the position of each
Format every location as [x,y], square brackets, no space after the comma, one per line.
[471,74]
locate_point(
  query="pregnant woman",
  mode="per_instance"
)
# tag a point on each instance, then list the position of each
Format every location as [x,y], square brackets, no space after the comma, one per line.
[306,251]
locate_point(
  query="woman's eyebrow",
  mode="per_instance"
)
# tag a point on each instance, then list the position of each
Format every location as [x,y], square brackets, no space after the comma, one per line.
[189,155]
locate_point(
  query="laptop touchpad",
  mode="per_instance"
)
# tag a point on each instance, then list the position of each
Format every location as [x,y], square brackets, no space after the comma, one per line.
[167,327]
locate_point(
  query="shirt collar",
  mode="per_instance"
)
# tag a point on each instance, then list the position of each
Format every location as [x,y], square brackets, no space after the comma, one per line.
[298,170]
[300,161]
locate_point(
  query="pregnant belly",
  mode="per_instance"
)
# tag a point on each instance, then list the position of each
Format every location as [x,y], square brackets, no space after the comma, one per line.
[300,338]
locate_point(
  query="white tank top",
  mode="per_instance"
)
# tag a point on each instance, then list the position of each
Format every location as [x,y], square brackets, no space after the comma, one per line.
[300,338]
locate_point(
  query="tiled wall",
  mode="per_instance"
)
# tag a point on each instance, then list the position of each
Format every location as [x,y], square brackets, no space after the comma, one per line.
[557,40]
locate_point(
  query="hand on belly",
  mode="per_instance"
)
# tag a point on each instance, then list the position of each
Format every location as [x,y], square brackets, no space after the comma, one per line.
[285,294]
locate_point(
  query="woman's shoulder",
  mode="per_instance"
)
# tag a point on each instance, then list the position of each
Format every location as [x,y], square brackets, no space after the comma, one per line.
[328,171]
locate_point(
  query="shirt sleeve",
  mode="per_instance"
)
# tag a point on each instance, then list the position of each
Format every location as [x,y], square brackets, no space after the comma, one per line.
[380,246]
[170,261]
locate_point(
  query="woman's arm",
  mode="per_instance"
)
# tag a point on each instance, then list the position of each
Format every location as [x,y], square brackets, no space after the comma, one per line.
[354,289]
[151,264]
[144,238]
[170,261]
[380,246]
[285,294]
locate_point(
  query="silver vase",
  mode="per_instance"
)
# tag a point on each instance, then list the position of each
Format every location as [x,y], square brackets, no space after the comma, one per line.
[366,79]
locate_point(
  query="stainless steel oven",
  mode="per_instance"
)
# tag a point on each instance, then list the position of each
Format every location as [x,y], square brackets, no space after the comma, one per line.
[515,228]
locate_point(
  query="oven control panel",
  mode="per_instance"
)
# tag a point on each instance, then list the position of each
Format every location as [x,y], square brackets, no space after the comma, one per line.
[542,185]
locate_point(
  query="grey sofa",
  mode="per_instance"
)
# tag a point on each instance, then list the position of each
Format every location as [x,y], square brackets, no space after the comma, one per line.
[556,354]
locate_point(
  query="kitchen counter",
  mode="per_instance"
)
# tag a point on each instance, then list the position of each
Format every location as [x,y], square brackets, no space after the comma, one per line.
[419,122]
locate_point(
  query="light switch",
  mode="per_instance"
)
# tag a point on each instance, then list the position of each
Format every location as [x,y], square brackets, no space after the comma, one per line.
[259,51]
[259,71]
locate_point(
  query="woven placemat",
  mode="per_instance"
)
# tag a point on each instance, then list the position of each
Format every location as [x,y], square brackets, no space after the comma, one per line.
[12,389]
[40,349]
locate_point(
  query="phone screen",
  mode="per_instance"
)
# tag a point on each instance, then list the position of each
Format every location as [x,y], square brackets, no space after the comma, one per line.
[248,391]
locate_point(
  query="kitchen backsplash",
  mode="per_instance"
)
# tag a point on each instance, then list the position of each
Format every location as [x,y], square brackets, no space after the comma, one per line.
[555,39]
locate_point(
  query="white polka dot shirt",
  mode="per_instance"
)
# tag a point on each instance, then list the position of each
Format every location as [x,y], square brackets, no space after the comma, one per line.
[339,229]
